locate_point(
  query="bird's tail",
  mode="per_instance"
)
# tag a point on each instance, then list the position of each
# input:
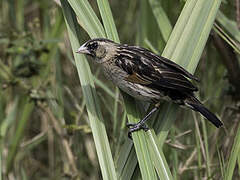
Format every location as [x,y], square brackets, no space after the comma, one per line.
[196,105]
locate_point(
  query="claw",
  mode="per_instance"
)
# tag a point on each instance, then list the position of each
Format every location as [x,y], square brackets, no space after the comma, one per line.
[130,124]
[129,135]
[145,128]
[141,124]
[135,127]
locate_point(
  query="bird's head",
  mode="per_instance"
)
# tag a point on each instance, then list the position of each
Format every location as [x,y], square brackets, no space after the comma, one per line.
[100,49]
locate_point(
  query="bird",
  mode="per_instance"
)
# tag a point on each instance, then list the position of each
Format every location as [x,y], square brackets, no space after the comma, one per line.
[146,76]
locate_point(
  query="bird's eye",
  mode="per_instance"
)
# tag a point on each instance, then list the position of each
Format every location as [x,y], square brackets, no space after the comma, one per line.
[93,46]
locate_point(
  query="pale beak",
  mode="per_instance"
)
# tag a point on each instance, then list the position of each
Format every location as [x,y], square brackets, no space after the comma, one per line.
[83,50]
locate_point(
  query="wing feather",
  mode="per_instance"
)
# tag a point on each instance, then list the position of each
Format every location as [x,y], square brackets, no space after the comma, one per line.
[160,59]
[148,69]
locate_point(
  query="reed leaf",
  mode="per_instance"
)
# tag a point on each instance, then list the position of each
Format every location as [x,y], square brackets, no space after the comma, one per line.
[86,79]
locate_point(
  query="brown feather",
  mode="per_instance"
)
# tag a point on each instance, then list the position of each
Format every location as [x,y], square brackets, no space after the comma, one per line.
[135,79]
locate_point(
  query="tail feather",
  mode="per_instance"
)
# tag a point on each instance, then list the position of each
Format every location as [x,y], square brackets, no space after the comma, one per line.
[198,106]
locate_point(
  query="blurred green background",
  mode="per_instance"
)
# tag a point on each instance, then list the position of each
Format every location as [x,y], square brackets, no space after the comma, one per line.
[44,128]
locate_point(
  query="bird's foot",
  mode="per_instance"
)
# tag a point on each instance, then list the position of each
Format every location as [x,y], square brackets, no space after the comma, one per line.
[136,127]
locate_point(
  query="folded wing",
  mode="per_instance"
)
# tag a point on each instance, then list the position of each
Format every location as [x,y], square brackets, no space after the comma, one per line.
[146,68]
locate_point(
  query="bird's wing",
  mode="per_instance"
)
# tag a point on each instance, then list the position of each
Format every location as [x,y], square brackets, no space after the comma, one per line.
[146,68]
[159,59]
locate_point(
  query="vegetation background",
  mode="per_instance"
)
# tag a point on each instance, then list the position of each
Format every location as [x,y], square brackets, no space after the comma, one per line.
[48,119]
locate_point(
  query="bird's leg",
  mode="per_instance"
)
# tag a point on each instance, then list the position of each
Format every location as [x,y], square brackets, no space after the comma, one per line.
[141,124]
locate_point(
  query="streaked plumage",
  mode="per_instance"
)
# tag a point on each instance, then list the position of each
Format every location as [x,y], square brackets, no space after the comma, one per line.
[146,76]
